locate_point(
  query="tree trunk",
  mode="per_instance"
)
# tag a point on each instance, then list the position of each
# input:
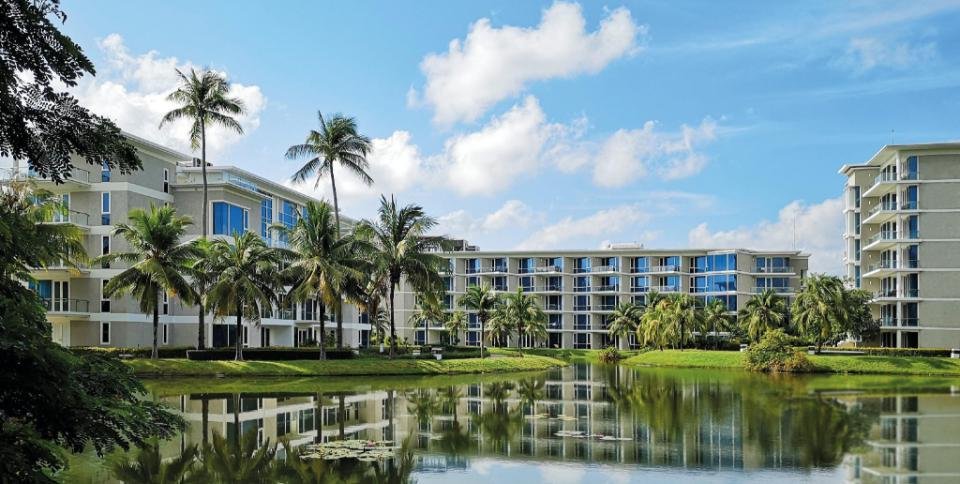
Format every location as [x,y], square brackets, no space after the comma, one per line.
[205,419]
[322,309]
[155,354]
[201,333]
[340,325]
[239,338]
[203,170]
[482,327]
[336,203]
[393,329]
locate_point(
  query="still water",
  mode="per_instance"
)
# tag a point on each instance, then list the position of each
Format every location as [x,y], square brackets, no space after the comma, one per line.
[584,423]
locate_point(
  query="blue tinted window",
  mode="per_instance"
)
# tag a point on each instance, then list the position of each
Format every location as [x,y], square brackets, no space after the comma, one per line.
[641,264]
[105,172]
[266,217]
[673,260]
[229,219]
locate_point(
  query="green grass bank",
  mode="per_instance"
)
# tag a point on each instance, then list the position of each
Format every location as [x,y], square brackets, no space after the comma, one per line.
[887,365]
[354,367]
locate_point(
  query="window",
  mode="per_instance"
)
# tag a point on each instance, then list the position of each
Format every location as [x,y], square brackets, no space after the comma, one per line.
[105,250]
[640,265]
[266,217]
[166,180]
[229,219]
[165,307]
[105,208]
[856,197]
[246,336]
[283,424]
[264,337]
[104,300]
[166,332]
[913,227]
[104,332]
[104,171]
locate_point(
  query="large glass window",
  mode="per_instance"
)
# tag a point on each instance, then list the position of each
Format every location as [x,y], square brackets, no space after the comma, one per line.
[582,264]
[640,284]
[581,284]
[104,171]
[912,197]
[640,264]
[266,217]
[913,165]
[105,208]
[229,219]
[913,227]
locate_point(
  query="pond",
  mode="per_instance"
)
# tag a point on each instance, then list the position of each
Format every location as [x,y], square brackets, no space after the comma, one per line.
[582,423]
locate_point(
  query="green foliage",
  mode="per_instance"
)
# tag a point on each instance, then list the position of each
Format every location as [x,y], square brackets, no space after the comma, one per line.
[764,312]
[52,398]
[42,124]
[624,320]
[524,316]
[484,302]
[775,354]
[824,308]
[610,354]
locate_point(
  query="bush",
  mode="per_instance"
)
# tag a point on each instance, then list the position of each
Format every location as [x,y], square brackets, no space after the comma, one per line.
[268,354]
[932,352]
[610,354]
[140,352]
[775,353]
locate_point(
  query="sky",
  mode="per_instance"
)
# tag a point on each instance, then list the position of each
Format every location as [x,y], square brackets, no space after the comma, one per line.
[522,125]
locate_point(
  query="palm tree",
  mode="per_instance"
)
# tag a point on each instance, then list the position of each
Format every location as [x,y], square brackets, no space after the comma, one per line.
[482,300]
[324,263]
[248,282]
[429,311]
[149,468]
[367,295]
[499,325]
[204,97]
[337,142]
[654,328]
[523,313]
[715,318]
[763,312]
[203,272]
[159,260]
[821,309]
[240,459]
[684,317]
[456,323]
[624,320]
[402,248]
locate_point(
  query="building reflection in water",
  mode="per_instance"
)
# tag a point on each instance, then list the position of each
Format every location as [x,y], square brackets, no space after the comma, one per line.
[590,414]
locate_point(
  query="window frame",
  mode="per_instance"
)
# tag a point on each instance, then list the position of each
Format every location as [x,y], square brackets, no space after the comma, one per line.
[109,328]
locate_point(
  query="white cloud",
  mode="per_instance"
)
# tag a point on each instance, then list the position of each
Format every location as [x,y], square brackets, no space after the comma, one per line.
[132,91]
[513,215]
[492,64]
[589,230]
[818,232]
[867,53]
[628,155]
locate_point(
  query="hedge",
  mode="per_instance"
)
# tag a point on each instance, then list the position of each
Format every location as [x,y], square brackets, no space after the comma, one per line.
[139,352]
[268,354]
[940,352]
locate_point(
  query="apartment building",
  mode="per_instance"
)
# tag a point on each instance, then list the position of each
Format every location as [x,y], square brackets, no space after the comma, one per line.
[580,289]
[97,200]
[902,210]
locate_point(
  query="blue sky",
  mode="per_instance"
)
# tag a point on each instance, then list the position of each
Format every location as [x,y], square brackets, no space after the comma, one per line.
[560,125]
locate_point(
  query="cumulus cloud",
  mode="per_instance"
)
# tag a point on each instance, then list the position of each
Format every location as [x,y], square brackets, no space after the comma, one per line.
[818,228]
[628,155]
[867,53]
[513,215]
[492,64]
[590,230]
[132,91]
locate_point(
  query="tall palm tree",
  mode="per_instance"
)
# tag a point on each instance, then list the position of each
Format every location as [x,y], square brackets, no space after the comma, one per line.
[248,282]
[523,313]
[624,320]
[455,324]
[429,311]
[148,467]
[402,248]
[158,258]
[482,300]
[654,328]
[763,312]
[204,97]
[499,325]
[336,143]
[324,263]
[684,317]
[821,309]
[368,293]
[202,272]
[715,319]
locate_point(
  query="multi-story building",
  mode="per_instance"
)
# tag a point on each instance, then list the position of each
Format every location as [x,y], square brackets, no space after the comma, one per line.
[902,237]
[97,200]
[579,289]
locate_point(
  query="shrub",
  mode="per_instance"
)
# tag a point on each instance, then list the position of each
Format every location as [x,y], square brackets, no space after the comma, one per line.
[610,354]
[268,354]
[934,352]
[774,353]
[141,352]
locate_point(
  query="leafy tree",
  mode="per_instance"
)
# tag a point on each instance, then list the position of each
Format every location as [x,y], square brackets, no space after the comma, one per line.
[248,282]
[456,323]
[324,263]
[202,272]
[204,98]
[402,248]
[336,143]
[368,293]
[498,325]
[715,319]
[654,329]
[39,122]
[482,300]
[159,260]
[763,312]
[861,324]
[624,320]
[822,309]
[54,399]
[524,315]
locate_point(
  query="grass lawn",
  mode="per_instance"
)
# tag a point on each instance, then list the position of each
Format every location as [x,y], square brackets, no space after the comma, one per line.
[893,365]
[355,367]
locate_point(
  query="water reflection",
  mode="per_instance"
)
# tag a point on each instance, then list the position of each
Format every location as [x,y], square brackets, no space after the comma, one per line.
[598,418]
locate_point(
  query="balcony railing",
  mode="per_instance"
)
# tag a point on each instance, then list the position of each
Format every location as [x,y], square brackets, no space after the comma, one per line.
[581,326]
[606,307]
[891,321]
[884,235]
[909,205]
[554,325]
[581,307]
[607,288]
[669,288]
[885,293]
[774,270]
[883,207]
[605,269]
[581,270]
[541,269]
[69,217]
[553,307]
[78,175]
[581,288]
[778,290]
[66,305]
[639,288]
[551,288]
[666,268]
[884,177]
[884,264]
[639,270]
